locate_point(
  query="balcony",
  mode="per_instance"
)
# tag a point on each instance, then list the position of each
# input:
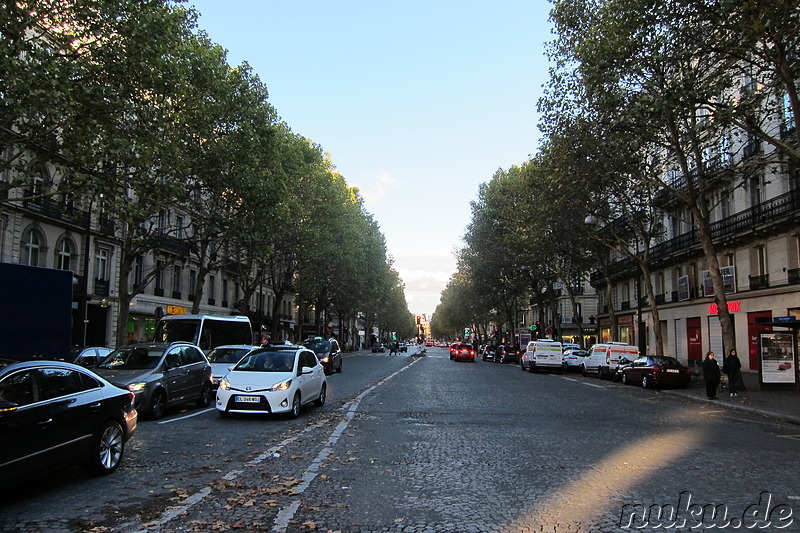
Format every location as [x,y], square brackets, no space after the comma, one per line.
[794,276]
[55,210]
[759,282]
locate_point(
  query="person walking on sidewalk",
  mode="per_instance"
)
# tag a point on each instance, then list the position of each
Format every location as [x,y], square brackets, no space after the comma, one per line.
[733,368]
[711,375]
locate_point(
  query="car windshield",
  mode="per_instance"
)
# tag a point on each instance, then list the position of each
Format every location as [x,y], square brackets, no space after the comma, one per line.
[579,353]
[277,361]
[133,358]
[664,361]
[227,355]
[318,347]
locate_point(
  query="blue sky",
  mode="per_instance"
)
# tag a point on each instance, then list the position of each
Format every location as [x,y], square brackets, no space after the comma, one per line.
[417,102]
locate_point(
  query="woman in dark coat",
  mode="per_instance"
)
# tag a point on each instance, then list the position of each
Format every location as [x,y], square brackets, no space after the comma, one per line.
[711,375]
[733,368]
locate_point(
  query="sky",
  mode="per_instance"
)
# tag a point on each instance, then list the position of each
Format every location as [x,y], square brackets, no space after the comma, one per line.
[417,102]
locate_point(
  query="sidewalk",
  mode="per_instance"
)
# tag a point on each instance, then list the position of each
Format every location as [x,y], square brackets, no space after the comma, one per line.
[779,404]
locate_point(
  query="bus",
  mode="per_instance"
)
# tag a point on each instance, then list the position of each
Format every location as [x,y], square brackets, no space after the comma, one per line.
[205,331]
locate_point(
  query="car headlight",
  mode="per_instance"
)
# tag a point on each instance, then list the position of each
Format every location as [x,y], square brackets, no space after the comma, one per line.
[283,385]
[323,360]
[137,387]
[224,384]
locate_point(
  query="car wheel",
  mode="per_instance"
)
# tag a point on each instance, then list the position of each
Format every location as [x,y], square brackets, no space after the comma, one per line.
[205,396]
[647,382]
[107,450]
[295,406]
[158,405]
[320,401]
[584,373]
[625,380]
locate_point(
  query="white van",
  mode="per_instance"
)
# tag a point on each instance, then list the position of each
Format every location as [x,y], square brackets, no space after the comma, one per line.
[205,331]
[604,358]
[543,355]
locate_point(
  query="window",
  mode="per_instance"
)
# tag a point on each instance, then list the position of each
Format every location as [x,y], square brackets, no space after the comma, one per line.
[760,261]
[20,388]
[138,270]
[162,220]
[160,276]
[30,248]
[756,191]
[176,278]
[64,255]
[63,382]
[211,289]
[37,182]
[788,113]
[101,264]
[179,230]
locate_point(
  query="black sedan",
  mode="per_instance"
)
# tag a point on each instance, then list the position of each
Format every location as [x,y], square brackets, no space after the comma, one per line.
[655,371]
[55,414]
[328,353]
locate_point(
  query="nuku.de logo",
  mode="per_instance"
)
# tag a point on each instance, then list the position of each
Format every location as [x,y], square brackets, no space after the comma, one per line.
[764,514]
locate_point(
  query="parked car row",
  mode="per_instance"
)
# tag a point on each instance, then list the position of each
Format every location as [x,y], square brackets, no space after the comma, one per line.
[615,360]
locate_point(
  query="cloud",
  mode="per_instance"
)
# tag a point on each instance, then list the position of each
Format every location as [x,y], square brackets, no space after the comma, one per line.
[379,188]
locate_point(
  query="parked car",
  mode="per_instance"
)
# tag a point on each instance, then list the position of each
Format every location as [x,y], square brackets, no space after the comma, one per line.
[88,357]
[55,414]
[378,348]
[403,347]
[604,357]
[222,358]
[160,375]
[328,353]
[453,348]
[277,379]
[655,371]
[507,354]
[463,352]
[543,355]
[487,354]
[573,359]
[621,365]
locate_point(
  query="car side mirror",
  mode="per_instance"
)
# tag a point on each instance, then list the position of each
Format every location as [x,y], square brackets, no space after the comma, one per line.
[7,407]
[307,370]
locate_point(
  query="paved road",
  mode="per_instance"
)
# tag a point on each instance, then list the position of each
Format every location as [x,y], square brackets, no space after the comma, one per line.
[427,445]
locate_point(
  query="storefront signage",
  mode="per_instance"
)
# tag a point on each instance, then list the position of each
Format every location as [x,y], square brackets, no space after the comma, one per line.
[778,357]
[733,307]
[728,274]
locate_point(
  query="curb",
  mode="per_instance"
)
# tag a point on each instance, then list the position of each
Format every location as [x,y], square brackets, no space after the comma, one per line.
[753,410]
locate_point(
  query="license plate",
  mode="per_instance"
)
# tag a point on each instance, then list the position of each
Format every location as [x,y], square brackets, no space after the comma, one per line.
[673,370]
[247,399]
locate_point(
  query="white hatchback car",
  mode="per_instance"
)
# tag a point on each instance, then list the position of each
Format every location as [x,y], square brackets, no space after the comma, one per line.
[275,379]
[573,359]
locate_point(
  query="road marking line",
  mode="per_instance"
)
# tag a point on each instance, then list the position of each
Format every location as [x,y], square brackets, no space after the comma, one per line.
[286,514]
[593,385]
[198,413]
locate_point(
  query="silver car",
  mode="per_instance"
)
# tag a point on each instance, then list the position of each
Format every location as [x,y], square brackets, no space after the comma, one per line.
[223,358]
[160,375]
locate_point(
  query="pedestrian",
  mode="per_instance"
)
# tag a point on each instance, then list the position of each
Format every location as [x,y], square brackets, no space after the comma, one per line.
[393,348]
[733,368]
[711,375]
[266,340]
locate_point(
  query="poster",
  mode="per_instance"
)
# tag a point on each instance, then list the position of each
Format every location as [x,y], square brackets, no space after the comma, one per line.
[778,360]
